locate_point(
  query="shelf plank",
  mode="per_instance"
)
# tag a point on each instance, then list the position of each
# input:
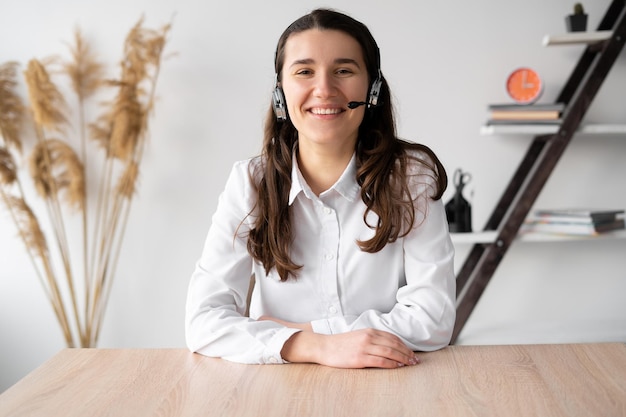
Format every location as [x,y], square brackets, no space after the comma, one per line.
[541,129]
[577,38]
[549,237]
[474,237]
[490,237]
[518,129]
[603,129]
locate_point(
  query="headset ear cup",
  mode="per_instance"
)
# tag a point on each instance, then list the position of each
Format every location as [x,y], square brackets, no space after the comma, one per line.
[278,103]
[372,99]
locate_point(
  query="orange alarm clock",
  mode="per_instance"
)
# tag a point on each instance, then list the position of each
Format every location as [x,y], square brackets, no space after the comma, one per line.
[524,85]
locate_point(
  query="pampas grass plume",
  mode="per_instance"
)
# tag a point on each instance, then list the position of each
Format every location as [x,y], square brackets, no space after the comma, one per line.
[84,70]
[55,161]
[45,99]
[11,106]
[8,170]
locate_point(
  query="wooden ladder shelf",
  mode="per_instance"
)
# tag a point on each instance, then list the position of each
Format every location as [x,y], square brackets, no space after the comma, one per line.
[538,163]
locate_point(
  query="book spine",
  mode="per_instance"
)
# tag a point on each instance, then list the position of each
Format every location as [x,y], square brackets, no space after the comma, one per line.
[525,115]
[526,107]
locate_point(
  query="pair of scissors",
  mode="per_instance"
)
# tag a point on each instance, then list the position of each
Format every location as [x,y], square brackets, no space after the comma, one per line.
[461,178]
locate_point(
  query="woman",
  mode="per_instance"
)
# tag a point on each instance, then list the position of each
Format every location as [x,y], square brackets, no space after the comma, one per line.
[340,222]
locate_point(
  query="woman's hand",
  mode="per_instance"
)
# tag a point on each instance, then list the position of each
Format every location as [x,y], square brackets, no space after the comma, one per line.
[366,348]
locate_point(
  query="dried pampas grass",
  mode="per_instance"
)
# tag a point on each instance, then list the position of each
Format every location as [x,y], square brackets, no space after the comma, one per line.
[28,224]
[11,107]
[8,169]
[84,70]
[59,173]
[46,102]
[55,167]
[128,179]
[124,123]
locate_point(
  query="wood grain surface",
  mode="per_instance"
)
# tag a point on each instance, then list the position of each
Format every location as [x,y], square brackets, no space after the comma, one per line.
[522,380]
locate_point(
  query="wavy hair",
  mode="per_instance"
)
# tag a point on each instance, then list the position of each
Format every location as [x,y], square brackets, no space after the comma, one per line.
[383,163]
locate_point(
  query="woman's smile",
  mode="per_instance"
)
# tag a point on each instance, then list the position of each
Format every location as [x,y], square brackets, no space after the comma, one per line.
[326,111]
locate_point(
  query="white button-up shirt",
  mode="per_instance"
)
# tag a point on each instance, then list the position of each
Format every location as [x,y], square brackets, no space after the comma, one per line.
[407,288]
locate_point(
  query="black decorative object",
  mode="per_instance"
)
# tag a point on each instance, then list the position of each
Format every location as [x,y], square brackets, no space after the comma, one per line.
[458,210]
[576,22]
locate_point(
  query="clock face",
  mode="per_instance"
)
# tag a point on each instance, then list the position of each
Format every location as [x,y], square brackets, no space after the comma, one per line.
[524,85]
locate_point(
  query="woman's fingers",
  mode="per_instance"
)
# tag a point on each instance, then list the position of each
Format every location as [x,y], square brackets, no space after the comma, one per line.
[366,348]
[389,347]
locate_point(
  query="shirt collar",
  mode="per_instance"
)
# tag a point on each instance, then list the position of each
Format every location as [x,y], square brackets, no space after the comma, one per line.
[346,185]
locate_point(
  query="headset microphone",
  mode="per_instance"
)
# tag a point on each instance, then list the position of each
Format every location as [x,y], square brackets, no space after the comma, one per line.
[372,99]
[355,104]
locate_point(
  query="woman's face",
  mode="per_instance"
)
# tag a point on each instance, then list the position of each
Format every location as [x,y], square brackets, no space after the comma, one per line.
[323,71]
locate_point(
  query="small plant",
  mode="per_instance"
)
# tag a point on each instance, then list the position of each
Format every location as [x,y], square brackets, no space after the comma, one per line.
[577,22]
[578,9]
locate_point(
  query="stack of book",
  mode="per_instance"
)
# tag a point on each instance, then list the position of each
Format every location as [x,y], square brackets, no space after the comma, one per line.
[525,113]
[582,222]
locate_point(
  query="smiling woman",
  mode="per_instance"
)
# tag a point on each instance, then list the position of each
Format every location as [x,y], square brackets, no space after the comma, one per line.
[339,220]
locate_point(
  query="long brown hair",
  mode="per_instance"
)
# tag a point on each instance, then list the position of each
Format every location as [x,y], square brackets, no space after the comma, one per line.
[382,162]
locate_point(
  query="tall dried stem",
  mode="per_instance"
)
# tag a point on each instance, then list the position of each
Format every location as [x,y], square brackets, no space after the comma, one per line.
[11,118]
[34,240]
[48,108]
[124,131]
[86,74]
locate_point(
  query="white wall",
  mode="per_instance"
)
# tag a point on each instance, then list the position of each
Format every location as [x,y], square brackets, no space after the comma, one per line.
[445,62]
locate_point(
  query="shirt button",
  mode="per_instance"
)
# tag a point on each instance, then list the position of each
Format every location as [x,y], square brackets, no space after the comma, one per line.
[329,256]
[327,210]
[273,360]
[332,309]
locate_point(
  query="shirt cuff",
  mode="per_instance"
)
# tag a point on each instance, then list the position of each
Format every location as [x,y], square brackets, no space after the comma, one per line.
[275,345]
[321,326]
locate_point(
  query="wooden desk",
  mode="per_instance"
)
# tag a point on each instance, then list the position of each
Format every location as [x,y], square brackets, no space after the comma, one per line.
[528,380]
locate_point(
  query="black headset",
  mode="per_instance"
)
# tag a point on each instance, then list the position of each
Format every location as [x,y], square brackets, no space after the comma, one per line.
[278,102]
[280,107]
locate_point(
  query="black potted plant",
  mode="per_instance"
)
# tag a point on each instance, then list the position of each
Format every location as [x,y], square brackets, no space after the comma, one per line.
[577,22]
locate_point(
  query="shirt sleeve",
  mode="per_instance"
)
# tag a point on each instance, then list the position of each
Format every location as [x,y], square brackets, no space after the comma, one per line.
[215,324]
[425,312]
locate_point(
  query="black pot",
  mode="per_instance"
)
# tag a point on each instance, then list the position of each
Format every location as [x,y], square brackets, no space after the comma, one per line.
[576,22]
